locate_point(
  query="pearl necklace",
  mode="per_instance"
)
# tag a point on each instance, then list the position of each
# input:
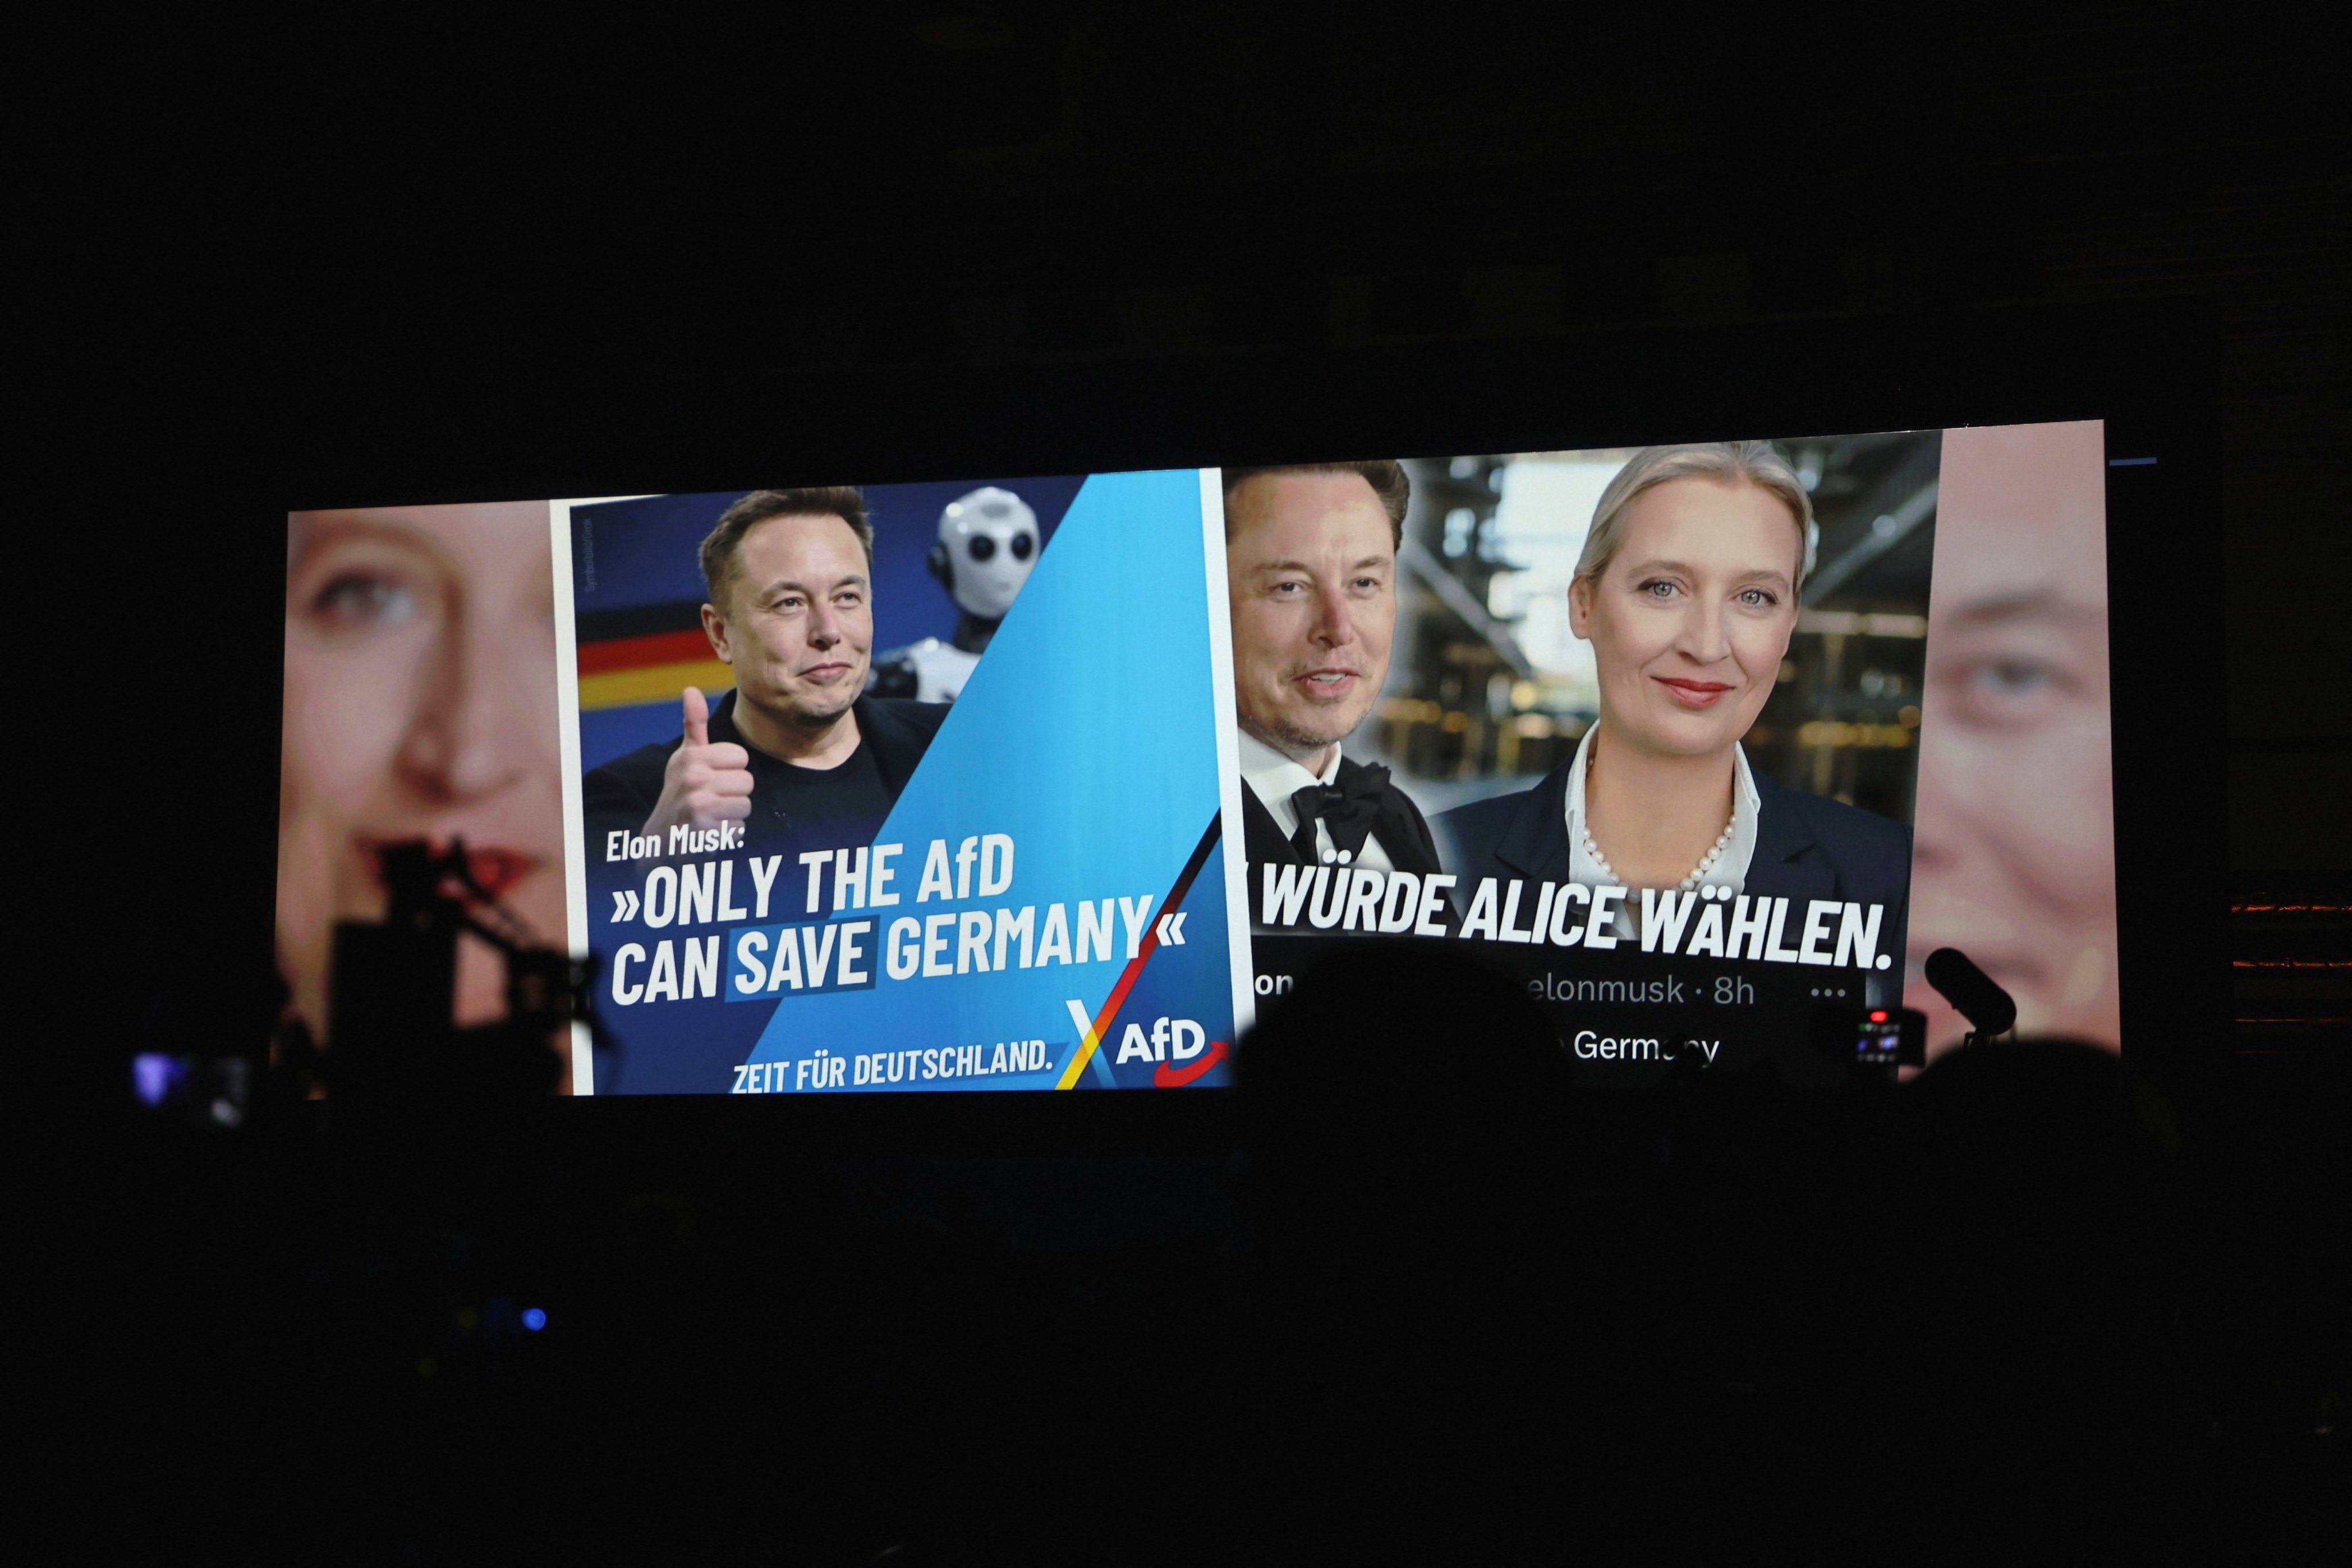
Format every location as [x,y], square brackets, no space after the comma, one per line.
[1698,872]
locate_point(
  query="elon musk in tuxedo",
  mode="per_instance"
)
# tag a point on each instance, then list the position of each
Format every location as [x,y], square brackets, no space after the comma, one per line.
[1311,562]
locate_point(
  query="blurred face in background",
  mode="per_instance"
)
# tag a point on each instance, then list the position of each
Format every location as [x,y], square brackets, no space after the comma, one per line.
[420,703]
[2015,826]
[1690,618]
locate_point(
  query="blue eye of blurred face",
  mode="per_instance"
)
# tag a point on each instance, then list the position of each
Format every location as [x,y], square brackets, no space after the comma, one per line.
[982,547]
[1022,546]
[2013,677]
[359,603]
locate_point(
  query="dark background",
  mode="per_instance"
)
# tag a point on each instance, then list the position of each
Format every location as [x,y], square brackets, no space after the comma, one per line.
[385,259]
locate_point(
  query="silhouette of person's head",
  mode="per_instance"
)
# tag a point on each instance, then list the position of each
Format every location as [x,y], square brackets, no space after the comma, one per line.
[1404,1089]
[2027,1296]
[1402,1108]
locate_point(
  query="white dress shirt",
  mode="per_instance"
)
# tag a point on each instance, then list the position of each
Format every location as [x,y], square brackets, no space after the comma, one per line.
[1730,868]
[1274,778]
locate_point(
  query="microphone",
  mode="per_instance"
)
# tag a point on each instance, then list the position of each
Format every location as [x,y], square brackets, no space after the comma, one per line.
[1985,1005]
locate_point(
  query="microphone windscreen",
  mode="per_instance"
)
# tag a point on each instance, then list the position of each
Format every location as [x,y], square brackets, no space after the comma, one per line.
[1971,989]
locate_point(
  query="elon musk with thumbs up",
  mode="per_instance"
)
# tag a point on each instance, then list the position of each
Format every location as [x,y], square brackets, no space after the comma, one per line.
[794,752]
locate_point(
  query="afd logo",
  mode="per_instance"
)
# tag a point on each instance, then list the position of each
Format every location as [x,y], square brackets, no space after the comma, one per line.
[1180,1043]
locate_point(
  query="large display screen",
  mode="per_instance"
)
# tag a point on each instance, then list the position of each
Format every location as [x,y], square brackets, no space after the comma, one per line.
[1014,781]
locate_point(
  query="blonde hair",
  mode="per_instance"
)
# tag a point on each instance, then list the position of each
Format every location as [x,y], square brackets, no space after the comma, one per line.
[1751,462]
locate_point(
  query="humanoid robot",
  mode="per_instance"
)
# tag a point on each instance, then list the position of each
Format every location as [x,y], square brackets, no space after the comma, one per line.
[988,543]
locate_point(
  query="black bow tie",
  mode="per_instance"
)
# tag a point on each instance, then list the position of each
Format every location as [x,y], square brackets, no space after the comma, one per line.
[1347,809]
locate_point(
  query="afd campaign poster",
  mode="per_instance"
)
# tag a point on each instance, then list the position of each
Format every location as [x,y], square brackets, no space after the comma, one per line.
[912,787]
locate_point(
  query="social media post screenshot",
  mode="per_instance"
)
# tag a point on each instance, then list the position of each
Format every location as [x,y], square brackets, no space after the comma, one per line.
[1706,743]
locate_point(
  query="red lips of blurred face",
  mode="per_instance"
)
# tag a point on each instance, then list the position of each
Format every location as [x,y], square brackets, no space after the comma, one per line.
[1692,617]
[493,868]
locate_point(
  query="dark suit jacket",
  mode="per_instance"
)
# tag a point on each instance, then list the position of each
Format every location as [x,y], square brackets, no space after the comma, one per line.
[1403,831]
[622,793]
[1807,847]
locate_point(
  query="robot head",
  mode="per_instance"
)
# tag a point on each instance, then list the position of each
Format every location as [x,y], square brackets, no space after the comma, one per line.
[987,542]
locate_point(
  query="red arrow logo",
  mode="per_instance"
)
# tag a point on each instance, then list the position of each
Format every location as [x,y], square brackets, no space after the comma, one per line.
[1167,1076]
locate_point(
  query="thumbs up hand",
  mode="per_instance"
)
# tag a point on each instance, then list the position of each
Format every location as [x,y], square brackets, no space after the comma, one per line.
[704,784]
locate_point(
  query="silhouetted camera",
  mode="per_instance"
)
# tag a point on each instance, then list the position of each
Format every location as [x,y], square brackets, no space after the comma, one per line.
[391,1034]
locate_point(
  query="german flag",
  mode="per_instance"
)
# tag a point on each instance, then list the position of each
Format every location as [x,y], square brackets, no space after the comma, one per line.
[646,653]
